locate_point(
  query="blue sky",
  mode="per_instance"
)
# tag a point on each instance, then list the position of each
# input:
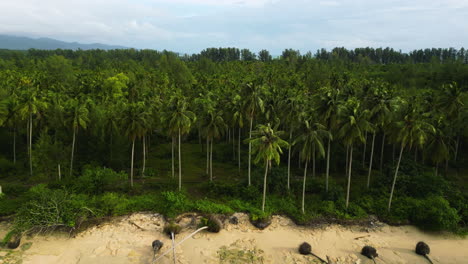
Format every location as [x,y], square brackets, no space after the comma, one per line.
[192,25]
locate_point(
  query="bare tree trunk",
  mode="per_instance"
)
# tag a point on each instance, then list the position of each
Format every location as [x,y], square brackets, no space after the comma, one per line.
[370,161]
[207,156]
[250,145]
[382,152]
[173,169]
[59,173]
[457,145]
[144,157]
[415,154]
[131,162]
[289,158]
[303,188]
[73,151]
[328,165]
[180,166]
[364,152]
[211,160]
[264,186]
[349,176]
[239,150]
[313,161]
[30,144]
[395,178]
[229,135]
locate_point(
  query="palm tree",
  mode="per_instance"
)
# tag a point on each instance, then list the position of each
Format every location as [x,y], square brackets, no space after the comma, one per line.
[438,144]
[267,144]
[411,130]
[311,139]
[30,104]
[327,103]
[353,124]
[134,120]
[214,129]
[180,120]
[253,103]
[79,118]
[238,121]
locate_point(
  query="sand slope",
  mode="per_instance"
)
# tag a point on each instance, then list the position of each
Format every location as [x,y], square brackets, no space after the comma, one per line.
[128,240]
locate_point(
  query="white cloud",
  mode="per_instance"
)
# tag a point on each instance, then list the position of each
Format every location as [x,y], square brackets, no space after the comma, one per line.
[191,25]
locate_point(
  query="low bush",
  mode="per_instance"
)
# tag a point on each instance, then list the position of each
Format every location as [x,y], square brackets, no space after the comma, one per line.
[112,204]
[96,180]
[209,207]
[174,203]
[435,213]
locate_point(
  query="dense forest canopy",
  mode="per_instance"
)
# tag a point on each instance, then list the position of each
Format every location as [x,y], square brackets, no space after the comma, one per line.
[361,113]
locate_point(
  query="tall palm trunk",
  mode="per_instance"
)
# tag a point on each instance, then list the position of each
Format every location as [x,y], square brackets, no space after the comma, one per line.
[370,161]
[328,165]
[303,187]
[30,144]
[364,152]
[239,150]
[207,156]
[59,172]
[211,161]
[180,166]
[234,144]
[250,145]
[265,186]
[289,158]
[395,177]
[73,151]
[313,161]
[349,175]
[382,152]
[131,162]
[173,169]
[144,157]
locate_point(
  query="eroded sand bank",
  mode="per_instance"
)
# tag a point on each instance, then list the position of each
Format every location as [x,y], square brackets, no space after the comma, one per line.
[128,240]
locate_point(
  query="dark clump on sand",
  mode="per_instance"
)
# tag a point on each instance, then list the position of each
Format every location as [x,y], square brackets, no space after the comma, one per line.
[14,241]
[157,245]
[172,228]
[422,248]
[305,248]
[369,252]
[214,224]
[261,223]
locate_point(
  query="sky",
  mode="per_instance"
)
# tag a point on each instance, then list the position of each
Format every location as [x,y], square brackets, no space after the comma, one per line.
[189,26]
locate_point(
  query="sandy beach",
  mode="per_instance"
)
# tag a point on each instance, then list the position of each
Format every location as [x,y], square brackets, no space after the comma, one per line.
[128,240]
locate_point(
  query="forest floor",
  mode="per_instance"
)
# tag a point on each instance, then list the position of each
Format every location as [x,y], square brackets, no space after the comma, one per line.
[128,239]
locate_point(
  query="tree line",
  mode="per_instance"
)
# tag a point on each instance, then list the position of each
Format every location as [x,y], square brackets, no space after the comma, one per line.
[57,106]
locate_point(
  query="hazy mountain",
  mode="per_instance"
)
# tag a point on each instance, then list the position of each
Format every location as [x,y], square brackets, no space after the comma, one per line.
[24,43]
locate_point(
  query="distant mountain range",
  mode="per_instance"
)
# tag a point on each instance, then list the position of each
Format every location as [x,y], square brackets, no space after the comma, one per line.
[25,43]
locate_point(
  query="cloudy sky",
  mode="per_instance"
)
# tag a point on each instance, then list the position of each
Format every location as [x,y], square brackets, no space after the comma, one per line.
[192,25]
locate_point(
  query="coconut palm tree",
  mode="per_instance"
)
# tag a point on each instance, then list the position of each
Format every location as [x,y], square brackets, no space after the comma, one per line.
[327,102]
[30,104]
[214,129]
[135,118]
[412,129]
[238,121]
[267,145]
[78,119]
[311,139]
[253,103]
[354,122]
[180,120]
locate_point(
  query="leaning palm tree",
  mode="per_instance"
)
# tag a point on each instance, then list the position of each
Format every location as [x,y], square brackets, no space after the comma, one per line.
[180,120]
[411,130]
[312,140]
[354,123]
[267,145]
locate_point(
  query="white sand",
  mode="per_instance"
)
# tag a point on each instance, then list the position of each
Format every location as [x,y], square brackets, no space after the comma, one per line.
[123,242]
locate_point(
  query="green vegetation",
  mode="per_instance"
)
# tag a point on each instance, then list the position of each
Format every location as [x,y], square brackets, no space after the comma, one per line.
[92,134]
